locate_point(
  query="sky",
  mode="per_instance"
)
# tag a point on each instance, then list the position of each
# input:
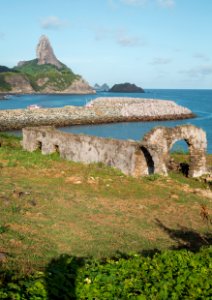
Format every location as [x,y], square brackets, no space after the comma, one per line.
[152,43]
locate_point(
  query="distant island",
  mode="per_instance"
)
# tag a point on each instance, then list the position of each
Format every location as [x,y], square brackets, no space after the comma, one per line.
[101,88]
[126,88]
[45,74]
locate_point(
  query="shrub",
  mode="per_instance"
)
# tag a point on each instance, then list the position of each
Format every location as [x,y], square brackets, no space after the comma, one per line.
[168,275]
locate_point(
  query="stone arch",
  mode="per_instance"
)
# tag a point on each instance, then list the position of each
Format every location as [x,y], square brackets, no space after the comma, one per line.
[133,158]
[156,143]
[196,140]
[161,139]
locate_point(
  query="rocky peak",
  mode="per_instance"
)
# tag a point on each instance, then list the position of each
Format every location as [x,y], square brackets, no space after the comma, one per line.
[45,53]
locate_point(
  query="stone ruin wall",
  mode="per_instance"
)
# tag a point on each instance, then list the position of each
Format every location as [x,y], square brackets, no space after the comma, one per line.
[135,158]
[83,148]
[160,140]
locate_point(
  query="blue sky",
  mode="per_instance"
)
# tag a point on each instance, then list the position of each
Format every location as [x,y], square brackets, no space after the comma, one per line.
[153,43]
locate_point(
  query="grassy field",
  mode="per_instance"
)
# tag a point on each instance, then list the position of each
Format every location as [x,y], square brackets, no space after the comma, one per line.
[49,206]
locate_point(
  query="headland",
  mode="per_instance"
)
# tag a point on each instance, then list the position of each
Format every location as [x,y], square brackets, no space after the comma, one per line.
[43,75]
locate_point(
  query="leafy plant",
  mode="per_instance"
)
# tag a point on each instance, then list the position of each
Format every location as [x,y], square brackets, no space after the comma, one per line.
[167,275]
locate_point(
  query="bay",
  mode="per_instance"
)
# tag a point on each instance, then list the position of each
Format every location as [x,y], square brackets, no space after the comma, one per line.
[199,101]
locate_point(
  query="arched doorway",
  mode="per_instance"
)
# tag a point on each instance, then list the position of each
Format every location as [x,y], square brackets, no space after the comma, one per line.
[161,139]
[150,166]
[179,157]
[56,149]
[197,145]
[39,146]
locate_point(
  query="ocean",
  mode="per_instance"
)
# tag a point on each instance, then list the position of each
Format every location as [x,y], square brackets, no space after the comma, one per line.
[199,101]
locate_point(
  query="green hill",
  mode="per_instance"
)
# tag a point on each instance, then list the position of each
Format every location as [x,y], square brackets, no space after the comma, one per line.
[4,85]
[41,76]
[5,71]
[45,74]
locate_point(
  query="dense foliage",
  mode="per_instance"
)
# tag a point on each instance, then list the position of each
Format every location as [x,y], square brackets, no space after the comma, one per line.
[168,275]
[60,79]
[5,69]
[4,86]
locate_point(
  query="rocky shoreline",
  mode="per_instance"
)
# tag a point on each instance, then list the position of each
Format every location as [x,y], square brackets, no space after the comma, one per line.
[98,111]
[3,97]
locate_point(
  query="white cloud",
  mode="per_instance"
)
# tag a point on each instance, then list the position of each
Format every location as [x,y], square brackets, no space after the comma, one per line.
[160,61]
[201,56]
[112,4]
[134,2]
[166,3]
[162,3]
[102,33]
[126,40]
[53,22]
[120,36]
[199,71]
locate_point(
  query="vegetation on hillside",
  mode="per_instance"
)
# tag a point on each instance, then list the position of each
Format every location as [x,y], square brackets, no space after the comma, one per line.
[54,213]
[4,69]
[59,79]
[4,86]
[39,76]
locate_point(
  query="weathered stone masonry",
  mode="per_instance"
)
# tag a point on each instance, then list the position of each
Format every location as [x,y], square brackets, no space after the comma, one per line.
[135,158]
[160,140]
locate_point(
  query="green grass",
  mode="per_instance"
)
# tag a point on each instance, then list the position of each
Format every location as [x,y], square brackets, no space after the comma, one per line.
[180,156]
[49,206]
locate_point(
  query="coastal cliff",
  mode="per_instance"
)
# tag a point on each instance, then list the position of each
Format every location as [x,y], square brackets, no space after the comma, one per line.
[98,111]
[45,74]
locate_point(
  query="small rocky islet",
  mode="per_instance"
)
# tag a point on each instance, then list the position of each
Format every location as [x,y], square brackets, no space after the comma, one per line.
[119,88]
[126,88]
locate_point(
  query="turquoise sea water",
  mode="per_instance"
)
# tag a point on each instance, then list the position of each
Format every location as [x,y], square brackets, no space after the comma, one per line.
[199,101]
